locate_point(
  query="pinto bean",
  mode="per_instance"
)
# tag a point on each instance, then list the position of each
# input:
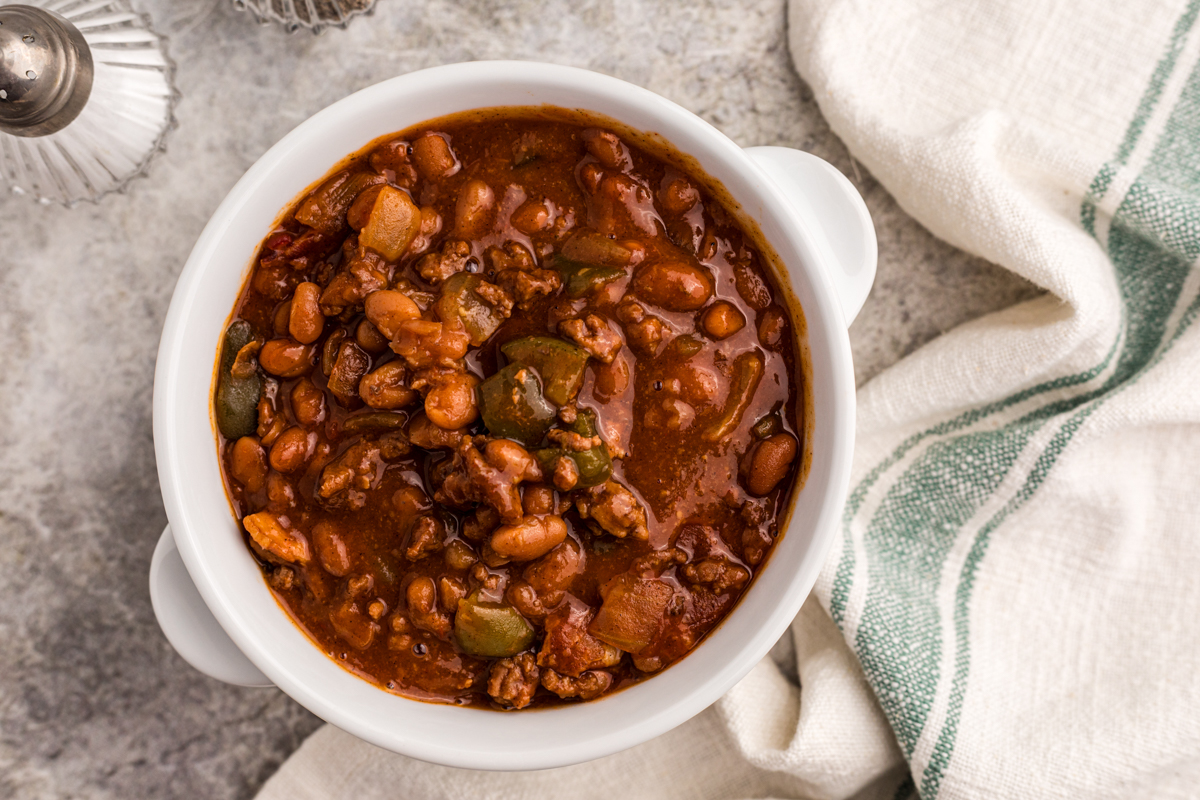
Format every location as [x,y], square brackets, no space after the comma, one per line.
[453,403]
[282,318]
[678,197]
[674,285]
[531,217]
[421,598]
[606,148]
[306,323]
[590,177]
[280,494]
[474,210]
[387,308]
[369,338]
[767,463]
[248,463]
[530,538]
[387,387]
[772,324]
[292,450]
[722,320]
[433,157]
[611,379]
[458,555]
[308,403]
[331,549]
[286,358]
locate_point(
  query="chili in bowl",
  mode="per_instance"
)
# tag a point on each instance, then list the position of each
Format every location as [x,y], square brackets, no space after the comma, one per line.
[519,407]
[490,451]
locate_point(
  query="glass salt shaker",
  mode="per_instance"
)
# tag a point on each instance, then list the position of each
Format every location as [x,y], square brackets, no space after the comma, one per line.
[86,97]
[316,15]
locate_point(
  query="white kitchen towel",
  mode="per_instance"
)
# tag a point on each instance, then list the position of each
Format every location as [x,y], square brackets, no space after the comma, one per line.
[1018,576]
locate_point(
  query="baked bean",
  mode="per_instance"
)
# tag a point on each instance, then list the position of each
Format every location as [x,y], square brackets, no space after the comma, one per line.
[282,318]
[678,197]
[387,387]
[474,210]
[673,285]
[275,281]
[433,157]
[387,308]
[531,217]
[369,338]
[530,538]
[421,597]
[590,177]
[607,148]
[270,423]
[394,156]
[292,450]
[611,379]
[248,463]
[286,358]
[722,320]
[767,463]
[524,598]
[458,555]
[306,323]
[771,326]
[453,404]
[331,549]
[308,403]
[751,286]
[280,494]
[538,500]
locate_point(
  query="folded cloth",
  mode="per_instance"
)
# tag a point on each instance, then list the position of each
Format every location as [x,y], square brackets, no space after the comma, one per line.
[1014,578]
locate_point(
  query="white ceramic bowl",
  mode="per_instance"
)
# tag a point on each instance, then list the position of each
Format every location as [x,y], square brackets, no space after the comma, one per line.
[229,625]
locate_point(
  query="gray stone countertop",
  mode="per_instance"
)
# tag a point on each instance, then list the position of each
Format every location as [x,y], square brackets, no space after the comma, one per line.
[93,701]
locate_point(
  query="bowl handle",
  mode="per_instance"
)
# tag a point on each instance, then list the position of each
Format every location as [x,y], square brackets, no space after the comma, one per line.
[843,229]
[188,624]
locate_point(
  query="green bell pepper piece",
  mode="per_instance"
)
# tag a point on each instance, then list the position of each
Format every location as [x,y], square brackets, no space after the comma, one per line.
[559,364]
[493,630]
[581,279]
[595,465]
[514,407]
[236,401]
[459,300]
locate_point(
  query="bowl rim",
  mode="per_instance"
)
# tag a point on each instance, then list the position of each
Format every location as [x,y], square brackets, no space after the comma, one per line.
[559,735]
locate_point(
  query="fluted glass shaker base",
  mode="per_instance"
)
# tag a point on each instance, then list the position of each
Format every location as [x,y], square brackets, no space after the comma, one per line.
[316,15]
[121,127]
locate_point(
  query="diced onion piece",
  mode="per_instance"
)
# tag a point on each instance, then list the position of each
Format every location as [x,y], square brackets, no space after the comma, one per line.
[632,613]
[394,222]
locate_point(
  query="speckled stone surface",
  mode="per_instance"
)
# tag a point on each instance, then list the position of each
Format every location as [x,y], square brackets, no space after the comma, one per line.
[93,701]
